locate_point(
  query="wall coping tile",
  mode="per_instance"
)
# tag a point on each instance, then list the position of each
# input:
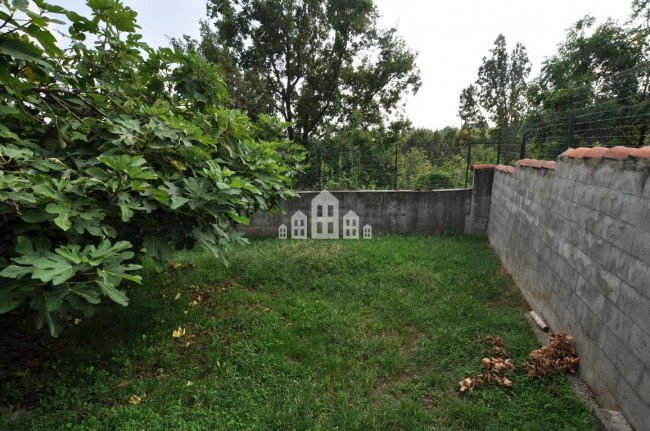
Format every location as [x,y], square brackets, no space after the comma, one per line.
[505,168]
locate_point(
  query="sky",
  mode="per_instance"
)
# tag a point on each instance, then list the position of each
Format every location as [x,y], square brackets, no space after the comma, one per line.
[450,36]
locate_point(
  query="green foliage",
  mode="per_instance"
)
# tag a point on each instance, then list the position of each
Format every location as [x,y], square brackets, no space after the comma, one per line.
[469,110]
[502,83]
[446,153]
[592,92]
[493,107]
[600,76]
[324,66]
[433,180]
[356,158]
[113,150]
[411,166]
[500,89]
[366,159]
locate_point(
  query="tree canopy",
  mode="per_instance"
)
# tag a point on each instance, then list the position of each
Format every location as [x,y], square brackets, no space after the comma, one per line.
[317,63]
[592,92]
[599,69]
[110,149]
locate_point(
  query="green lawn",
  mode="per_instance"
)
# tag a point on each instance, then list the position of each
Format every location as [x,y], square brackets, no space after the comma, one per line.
[296,335]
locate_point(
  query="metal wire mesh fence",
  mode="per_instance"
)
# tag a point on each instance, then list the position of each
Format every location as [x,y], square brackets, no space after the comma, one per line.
[598,114]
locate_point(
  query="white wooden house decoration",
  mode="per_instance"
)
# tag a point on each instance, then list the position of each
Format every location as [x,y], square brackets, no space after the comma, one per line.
[350,225]
[299,225]
[367,232]
[282,231]
[324,216]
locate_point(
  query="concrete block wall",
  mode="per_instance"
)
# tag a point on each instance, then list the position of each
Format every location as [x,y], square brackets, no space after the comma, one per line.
[394,212]
[575,236]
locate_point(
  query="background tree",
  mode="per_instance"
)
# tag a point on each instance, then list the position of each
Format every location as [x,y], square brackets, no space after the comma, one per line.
[497,98]
[469,109]
[428,140]
[600,77]
[412,165]
[323,63]
[356,157]
[499,93]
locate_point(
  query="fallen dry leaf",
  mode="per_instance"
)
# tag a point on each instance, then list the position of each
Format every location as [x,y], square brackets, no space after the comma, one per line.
[495,367]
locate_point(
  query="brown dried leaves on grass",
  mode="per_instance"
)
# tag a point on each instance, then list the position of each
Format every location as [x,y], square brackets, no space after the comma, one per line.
[559,355]
[494,367]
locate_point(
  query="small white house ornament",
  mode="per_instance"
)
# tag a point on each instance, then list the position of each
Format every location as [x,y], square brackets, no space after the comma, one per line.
[299,225]
[282,231]
[350,225]
[324,216]
[367,232]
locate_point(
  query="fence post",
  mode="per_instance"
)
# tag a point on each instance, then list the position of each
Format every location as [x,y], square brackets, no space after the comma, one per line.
[395,181]
[522,154]
[569,139]
[320,169]
[499,147]
[469,156]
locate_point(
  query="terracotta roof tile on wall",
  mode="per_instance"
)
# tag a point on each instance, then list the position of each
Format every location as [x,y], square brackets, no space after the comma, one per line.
[544,164]
[619,153]
[641,153]
[477,167]
[616,153]
[504,168]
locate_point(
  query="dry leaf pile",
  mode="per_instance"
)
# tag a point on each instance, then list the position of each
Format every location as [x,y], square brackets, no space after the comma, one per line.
[559,355]
[494,367]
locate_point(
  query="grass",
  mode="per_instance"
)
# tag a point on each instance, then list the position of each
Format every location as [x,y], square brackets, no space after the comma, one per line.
[298,335]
